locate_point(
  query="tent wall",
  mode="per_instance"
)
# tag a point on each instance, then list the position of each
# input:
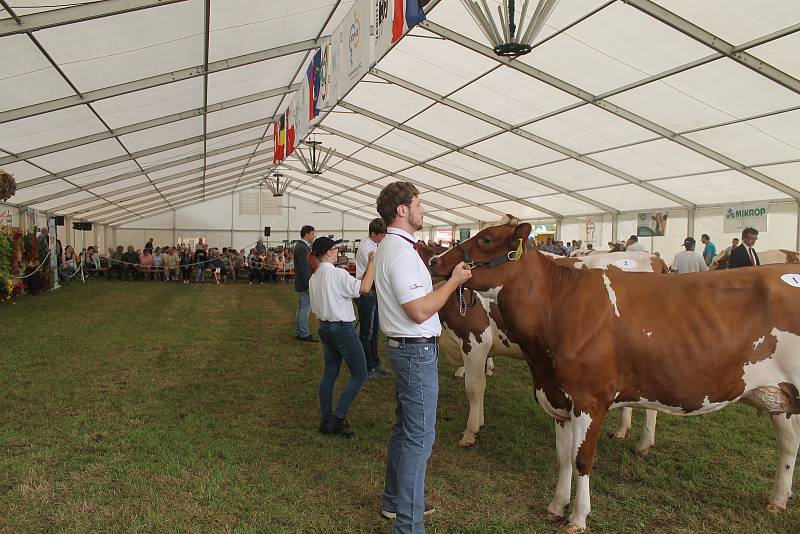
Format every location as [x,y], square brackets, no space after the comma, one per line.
[5,209]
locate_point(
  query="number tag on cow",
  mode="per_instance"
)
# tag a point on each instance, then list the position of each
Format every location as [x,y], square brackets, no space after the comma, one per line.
[625,263]
[793,279]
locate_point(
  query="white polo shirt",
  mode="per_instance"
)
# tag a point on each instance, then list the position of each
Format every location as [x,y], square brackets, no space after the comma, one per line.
[367,245]
[688,261]
[400,277]
[332,291]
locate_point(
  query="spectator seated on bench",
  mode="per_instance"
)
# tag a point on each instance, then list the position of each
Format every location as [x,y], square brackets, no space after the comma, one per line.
[171,262]
[146,264]
[131,261]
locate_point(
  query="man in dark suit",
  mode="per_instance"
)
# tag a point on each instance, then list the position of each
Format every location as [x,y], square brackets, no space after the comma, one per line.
[302,274]
[745,255]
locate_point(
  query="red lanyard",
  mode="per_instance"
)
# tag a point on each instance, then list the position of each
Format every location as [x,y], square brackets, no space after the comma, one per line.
[413,243]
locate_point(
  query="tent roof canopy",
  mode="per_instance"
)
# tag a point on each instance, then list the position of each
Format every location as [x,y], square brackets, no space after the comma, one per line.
[116,110]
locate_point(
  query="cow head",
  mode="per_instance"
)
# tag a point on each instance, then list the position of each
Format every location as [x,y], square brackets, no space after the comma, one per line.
[489,247]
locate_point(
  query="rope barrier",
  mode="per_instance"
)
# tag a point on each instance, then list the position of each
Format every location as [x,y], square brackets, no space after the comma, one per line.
[35,270]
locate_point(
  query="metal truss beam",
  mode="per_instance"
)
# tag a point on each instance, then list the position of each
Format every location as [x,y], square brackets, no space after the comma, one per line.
[76,13]
[155,81]
[611,108]
[144,125]
[712,41]
[507,127]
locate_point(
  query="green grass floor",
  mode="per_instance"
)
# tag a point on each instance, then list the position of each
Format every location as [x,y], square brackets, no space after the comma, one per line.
[153,407]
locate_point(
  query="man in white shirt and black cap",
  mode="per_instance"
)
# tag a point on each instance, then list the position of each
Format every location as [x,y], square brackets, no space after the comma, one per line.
[688,261]
[408,307]
[332,291]
[368,304]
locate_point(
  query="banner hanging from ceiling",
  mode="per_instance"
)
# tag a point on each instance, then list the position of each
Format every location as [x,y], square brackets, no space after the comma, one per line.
[331,56]
[356,45]
[745,215]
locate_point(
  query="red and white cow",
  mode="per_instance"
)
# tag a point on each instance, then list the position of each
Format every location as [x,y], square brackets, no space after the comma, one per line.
[470,340]
[597,340]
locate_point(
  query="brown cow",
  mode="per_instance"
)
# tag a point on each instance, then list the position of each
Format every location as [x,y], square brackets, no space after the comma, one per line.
[597,340]
[468,341]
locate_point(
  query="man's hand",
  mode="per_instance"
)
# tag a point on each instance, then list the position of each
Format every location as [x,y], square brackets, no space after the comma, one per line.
[370,256]
[461,273]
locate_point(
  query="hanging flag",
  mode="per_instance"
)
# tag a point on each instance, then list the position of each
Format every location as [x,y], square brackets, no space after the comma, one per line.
[290,129]
[279,136]
[407,14]
[301,110]
[329,71]
[357,45]
[313,75]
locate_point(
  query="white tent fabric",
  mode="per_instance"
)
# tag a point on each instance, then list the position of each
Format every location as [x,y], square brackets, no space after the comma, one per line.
[116,110]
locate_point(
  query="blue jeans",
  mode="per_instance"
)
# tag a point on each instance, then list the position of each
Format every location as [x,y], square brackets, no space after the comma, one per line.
[301,317]
[339,342]
[368,333]
[413,432]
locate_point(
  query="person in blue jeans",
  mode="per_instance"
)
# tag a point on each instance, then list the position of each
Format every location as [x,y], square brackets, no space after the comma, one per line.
[368,304]
[302,274]
[331,291]
[408,308]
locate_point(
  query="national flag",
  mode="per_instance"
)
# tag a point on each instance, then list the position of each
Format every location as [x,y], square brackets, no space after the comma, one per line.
[407,14]
[279,136]
[314,77]
[290,130]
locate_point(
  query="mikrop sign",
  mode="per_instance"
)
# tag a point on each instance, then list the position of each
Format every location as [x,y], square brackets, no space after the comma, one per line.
[741,216]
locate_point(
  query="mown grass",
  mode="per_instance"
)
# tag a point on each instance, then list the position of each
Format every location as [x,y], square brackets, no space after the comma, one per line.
[161,407]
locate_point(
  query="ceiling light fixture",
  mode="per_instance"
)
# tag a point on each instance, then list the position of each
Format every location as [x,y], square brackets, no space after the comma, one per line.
[315,157]
[508,38]
[277,183]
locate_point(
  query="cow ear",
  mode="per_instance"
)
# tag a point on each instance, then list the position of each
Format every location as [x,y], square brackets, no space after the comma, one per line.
[522,231]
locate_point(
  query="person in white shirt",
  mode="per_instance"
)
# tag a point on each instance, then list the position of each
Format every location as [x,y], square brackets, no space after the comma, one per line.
[331,290]
[408,307]
[688,261]
[368,304]
[633,245]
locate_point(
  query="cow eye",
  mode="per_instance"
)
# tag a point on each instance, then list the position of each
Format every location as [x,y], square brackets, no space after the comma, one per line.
[486,240]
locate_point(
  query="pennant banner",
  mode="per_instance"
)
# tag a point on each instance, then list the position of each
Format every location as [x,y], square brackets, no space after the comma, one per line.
[407,14]
[356,44]
[329,71]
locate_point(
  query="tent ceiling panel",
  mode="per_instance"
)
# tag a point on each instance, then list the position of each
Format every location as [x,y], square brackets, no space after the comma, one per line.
[139,180]
[241,114]
[336,178]
[512,96]
[27,77]
[451,125]
[23,171]
[657,159]
[636,39]
[169,184]
[242,26]
[358,170]
[176,169]
[439,65]
[27,7]
[473,193]
[478,213]
[343,146]
[68,198]
[751,145]
[49,128]
[171,155]
[516,151]
[369,190]
[564,204]
[22,196]
[432,218]
[729,186]
[364,200]
[319,186]
[151,103]
[388,100]
[355,124]
[131,46]
[629,197]
[574,175]
[410,145]
[466,166]
[141,193]
[587,129]
[426,176]
[781,53]
[733,89]
[89,177]
[338,15]
[253,78]
[788,173]
[380,159]
[141,199]
[89,205]
[516,185]
[161,135]
[743,21]
[78,156]
[518,210]
[250,134]
[444,201]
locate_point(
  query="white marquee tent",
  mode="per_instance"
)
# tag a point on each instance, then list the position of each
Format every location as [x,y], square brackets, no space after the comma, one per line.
[153,116]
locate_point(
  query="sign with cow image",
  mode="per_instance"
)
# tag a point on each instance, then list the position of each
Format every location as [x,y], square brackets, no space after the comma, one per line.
[651,223]
[745,215]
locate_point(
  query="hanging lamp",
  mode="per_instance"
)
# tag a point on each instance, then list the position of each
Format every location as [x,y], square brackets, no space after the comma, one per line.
[510,38]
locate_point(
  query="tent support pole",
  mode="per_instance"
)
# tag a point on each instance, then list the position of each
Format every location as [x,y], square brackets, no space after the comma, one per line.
[797,241]
[690,222]
[614,227]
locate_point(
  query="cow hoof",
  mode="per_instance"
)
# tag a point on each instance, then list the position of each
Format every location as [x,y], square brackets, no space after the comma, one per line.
[776,508]
[489,372]
[459,373]
[555,513]
[572,529]
[619,434]
[467,440]
[641,453]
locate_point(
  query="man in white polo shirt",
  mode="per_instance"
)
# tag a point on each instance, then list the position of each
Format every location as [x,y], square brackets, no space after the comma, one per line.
[408,307]
[331,291]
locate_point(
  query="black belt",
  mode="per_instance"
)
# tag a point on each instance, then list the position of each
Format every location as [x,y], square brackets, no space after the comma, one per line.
[336,322]
[415,340]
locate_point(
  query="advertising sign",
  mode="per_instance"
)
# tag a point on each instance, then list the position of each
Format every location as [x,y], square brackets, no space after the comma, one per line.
[651,223]
[745,215]
[356,45]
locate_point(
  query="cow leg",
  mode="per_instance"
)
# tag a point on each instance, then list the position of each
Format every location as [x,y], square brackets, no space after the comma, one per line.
[624,424]
[489,366]
[564,456]
[475,384]
[648,437]
[788,442]
[459,372]
[586,430]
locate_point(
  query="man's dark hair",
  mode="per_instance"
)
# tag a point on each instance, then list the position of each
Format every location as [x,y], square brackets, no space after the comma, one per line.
[633,239]
[305,230]
[393,195]
[377,226]
[706,236]
[749,231]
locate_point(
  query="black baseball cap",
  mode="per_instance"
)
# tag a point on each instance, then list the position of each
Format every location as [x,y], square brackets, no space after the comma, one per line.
[322,245]
[689,241]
